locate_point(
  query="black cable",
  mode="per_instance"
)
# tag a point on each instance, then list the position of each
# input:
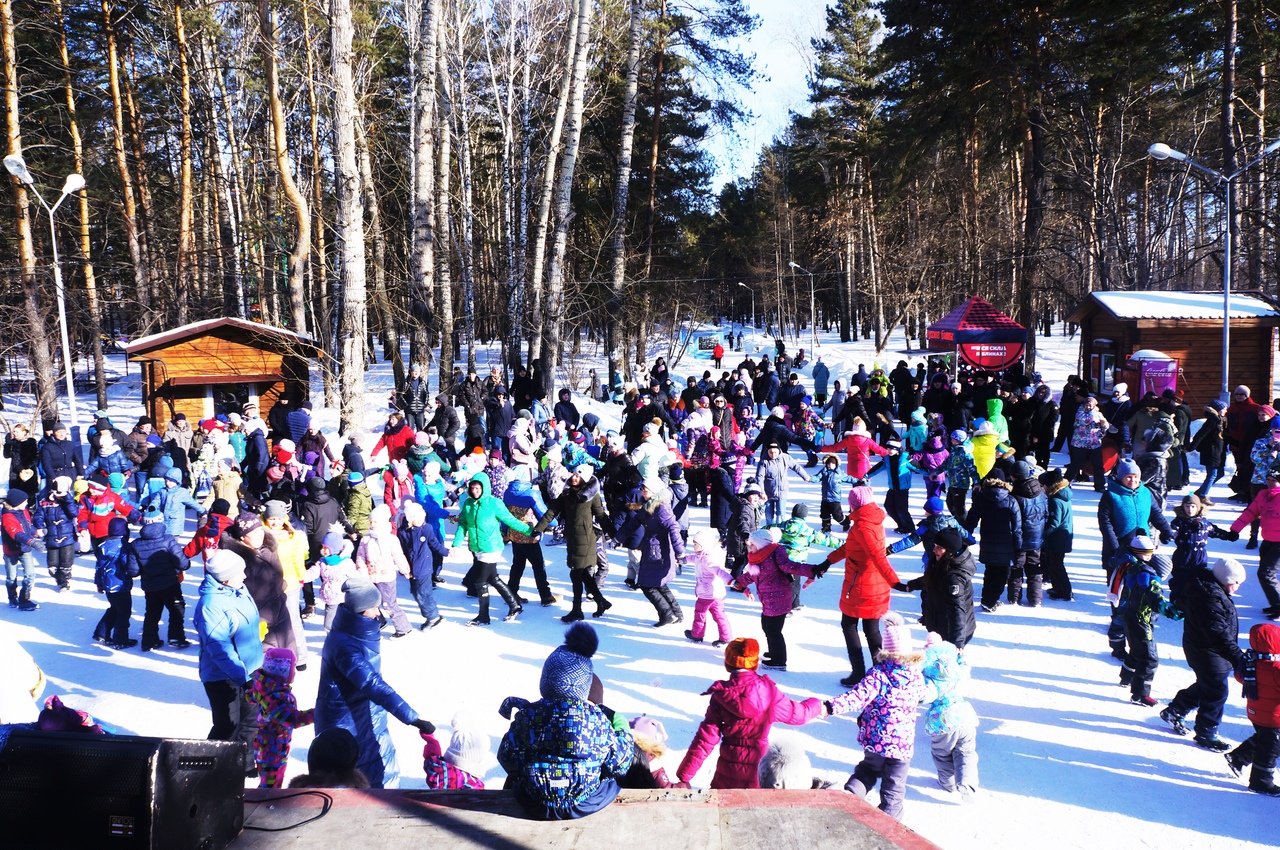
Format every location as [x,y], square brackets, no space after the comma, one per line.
[324,810]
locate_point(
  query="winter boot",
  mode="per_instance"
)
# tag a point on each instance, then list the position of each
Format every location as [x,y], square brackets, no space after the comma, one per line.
[482,619]
[513,605]
[1236,762]
[24,601]
[1035,590]
[1174,719]
[1126,677]
[1260,782]
[13,593]
[1210,741]
[689,634]
[602,605]
[673,604]
[659,603]
[1015,590]
[572,616]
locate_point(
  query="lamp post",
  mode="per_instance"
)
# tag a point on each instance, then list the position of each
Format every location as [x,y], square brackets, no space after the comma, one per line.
[753,304]
[1161,151]
[813,309]
[16,166]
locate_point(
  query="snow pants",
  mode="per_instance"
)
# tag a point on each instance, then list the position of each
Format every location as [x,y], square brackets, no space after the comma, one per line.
[890,773]
[715,608]
[955,755]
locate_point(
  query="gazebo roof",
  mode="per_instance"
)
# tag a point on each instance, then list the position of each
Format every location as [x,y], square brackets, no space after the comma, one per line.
[975,321]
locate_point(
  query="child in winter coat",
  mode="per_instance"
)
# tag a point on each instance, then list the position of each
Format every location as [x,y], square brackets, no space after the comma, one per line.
[771,472]
[988,447]
[461,766]
[797,537]
[1059,535]
[831,481]
[111,576]
[1261,680]
[205,541]
[1139,600]
[333,569]
[949,718]
[174,501]
[917,432]
[379,554]
[526,504]
[157,559]
[358,502]
[858,446]
[742,709]
[710,579]
[936,519]
[1191,533]
[422,548]
[1208,442]
[352,457]
[56,516]
[932,461]
[563,754]
[20,537]
[1265,508]
[961,474]
[1000,516]
[769,568]
[1034,506]
[886,700]
[226,486]
[897,495]
[278,715]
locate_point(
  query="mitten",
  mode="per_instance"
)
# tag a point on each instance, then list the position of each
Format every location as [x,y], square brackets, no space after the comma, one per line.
[902,587]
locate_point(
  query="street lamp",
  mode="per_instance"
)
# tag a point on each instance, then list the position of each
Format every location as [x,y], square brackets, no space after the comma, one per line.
[1161,151]
[753,304]
[16,166]
[813,310]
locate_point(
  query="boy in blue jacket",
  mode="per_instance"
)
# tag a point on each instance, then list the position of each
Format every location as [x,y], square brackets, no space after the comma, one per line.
[832,480]
[157,558]
[56,515]
[1139,601]
[174,501]
[112,578]
[423,548]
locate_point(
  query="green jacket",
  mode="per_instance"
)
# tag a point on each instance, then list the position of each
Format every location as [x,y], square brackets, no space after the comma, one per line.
[359,503]
[480,519]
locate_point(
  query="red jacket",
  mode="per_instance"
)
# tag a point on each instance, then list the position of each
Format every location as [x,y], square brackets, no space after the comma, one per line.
[206,539]
[1265,710]
[741,711]
[397,443]
[98,509]
[868,577]
[859,448]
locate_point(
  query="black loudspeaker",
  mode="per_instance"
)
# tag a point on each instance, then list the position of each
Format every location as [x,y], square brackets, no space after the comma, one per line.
[67,790]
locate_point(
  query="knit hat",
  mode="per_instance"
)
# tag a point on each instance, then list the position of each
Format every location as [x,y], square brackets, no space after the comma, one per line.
[361,595]
[248,521]
[895,634]
[116,481]
[414,513]
[225,566]
[996,475]
[153,513]
[279,663]
[315,485]
[1050,478]
[174,475]
[779,412]
[860,495]
[742,654]
[752,490]
[334,751]
[468,748]
[1140,542]
[959,436]
[1126,468]
[16,498]
[934,505]
[355,477]
[62,483]
[1022,471]
[275,509]
[1120,389]
[118,527]
[800,511]
[567,672]
[524,414]
[1217,405]
[707,538]
[650,429]
[949,539]
[763,537]
[287,445]
[1228,571]
[585,471]
[333,542]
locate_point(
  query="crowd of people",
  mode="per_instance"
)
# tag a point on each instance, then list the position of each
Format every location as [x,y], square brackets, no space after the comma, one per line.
[285,525]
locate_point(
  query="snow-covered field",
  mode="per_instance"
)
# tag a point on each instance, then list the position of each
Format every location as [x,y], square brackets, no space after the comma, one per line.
[1066,760]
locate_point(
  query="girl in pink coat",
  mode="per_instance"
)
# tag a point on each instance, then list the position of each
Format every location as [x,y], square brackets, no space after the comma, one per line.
[709,586]
[742,710]
[858,446]
[769,568]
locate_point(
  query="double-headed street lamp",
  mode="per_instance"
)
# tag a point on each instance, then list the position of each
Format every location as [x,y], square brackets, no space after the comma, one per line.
[813,310]
[1162,151]
[17,166]
[753,304]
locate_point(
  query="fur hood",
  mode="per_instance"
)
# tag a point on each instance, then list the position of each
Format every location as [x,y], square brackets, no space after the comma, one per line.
[996,484]
[1054,489]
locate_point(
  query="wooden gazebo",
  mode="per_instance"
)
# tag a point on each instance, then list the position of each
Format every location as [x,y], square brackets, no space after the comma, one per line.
[218,365]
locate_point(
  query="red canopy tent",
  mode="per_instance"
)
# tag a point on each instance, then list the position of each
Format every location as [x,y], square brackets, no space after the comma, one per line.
[981,335]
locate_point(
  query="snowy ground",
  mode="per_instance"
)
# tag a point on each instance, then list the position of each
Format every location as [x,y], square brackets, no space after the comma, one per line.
[1066,760]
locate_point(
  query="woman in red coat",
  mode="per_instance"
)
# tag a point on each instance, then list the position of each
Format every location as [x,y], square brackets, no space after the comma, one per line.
[868,578]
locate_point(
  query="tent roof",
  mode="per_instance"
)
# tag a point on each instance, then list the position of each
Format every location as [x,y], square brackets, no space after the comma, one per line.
[975,321]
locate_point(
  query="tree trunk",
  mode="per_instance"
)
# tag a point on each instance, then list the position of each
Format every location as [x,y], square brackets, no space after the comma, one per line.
[621,187]
[444,220]
[548,189]
[280,151]
[422,261]
[151,254]
[554,328]
[86,263]
[390,327]
[349,225]
[466,251]
[186,240]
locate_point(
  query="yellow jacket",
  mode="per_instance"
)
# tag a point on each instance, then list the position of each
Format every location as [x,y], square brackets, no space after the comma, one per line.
[291,546]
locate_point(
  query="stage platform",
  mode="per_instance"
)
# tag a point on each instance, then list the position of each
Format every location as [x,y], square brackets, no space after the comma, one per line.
[653,820]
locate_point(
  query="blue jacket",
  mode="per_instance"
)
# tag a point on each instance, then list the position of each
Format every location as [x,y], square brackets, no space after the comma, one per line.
[1059,527]
[660,544]
[298,420]
[418,543]
[1121,511]
[60,457]
[522,494]
[174,501]
[831,481]
[114,462]
[111,574]
[1001,518]
[354,696]
[930,527]
[57,516]
[821,374]
[227,621]
[352,458]
[1035,513]
[157,557]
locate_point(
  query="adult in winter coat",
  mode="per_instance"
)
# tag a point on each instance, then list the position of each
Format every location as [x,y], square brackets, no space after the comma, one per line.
[470,396]
[1044,420]
[412,398]
[565,411]
[445,421]
[156,557]
[1210,641]
[564,753]
[23,453]
[397,438]
[579,509]
[1035,513]
[1128,505]
[821,375]
[480,522]
[256,457]
[1208,441]
[1059,535]
[60,456]
[352,693]
[1000,516]
[226,621]
[1242,431]
[905,390]
[499,417]
[264,577]
[319,512]
[938,398]
[868,577]
[661,549]
[1265,507]
[775,430]
[740,713]
[946,589]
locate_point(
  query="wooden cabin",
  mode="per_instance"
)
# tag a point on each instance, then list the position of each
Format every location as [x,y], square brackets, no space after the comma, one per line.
[1187,326]
[219,365]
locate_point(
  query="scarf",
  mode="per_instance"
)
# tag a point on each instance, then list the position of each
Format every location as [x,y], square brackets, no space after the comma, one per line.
[1251,659]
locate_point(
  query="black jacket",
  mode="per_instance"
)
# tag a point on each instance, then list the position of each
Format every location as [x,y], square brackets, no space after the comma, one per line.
[156,557]
[1208,441]
[413,397]
[946,598]
[579,510]
[61,457]
[1001,518]
[1211,628]
[742,522]
[318,513]
[775,430]
[445,421]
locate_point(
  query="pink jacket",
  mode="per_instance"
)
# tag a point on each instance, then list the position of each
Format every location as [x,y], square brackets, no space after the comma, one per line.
[858,449]
[711,576]
[741,711]
[1265,507]
[770,570]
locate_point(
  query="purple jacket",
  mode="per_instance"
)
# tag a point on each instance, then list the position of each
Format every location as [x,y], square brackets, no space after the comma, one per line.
[661,545]
[741,711]
[887,699]
[770,570]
